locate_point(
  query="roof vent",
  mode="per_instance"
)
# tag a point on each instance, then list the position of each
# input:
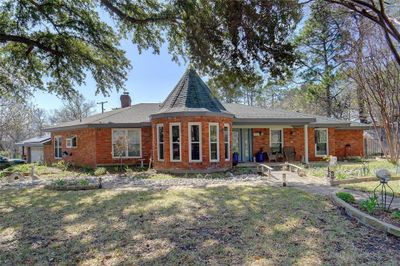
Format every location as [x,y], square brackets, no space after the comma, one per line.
[125,100]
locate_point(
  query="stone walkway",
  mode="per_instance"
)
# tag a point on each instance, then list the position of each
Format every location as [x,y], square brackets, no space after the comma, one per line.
[318,186]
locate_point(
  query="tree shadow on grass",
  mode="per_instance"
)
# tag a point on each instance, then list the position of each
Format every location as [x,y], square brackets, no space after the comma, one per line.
[221,225]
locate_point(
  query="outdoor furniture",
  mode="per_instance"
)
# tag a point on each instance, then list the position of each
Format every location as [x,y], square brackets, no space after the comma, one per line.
[271,157]
[289,153]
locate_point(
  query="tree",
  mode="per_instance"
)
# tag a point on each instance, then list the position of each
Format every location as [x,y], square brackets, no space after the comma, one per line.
[233,86]
[379,12]
[77,107]
[378,77]
[19,121]
[320,45]
[54,45]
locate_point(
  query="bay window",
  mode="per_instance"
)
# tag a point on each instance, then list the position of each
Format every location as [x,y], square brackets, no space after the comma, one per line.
[175,141]
[214,142]
[321,141]
[227,142]
[195,142]
[126,143]
[160,142]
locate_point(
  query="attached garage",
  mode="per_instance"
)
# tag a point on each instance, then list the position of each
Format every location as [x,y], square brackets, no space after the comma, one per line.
[32,149]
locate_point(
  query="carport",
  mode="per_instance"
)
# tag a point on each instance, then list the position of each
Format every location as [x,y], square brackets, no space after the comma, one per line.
[32,149]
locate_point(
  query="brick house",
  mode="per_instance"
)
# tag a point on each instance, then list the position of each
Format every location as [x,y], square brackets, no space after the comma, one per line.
[193,131]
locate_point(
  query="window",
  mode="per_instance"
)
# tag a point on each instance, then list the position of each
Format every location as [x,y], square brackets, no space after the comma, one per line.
[160,142]
[175,139]
[214,142]
[126,143]
[195,142]
[71,142]
[276,140]
[227,142]
[321,141]
[57,147]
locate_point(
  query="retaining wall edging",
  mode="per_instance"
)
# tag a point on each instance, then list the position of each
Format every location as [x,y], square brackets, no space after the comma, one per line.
[366,219]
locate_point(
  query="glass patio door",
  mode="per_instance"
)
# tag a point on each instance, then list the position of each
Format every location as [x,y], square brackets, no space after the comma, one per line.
[242,143]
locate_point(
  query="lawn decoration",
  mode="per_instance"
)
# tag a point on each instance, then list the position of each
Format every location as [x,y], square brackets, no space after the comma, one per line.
[384,177]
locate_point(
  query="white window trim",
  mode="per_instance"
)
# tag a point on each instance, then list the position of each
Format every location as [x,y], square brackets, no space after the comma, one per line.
[70,139]
[190,124]
[229,142]
[327,142]
[158,142]
[170,142]
[54,148]
[270,136]
[209,141]
[126,151]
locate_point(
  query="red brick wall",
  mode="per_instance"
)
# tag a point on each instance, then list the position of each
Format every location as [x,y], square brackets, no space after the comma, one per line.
[104,147]
[337,139]
[354,138]
[262,141]
[205,164]
[85,152]
[94,147]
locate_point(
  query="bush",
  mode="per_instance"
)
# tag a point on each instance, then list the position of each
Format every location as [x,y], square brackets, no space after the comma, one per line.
[369,205]
[88,170]
[59,182]
[347,197]
[129,171]
[100,171]
[396,215]
[62,165]
[83,182]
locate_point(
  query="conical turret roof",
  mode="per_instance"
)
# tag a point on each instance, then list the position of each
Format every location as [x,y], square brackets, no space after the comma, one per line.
[191,95]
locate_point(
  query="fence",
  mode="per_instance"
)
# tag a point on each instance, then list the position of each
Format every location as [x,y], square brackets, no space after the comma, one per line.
[372,147]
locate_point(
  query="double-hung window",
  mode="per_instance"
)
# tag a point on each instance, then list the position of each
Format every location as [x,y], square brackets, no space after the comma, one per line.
[175,141]
[126,143]
[321,141]
[71,142]
[57,147]
[160,142]
[214,142]
[227,142]
[195,142]
[276,140]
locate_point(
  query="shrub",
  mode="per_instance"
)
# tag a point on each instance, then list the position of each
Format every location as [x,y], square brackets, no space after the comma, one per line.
[83,182]
[396,215]
[129,171]
[347,197]
[369,205]
[59,182]
[62,165]
[100,171]
[88,170]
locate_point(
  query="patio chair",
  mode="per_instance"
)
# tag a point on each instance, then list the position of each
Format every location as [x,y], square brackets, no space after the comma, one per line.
[271,157]
[289,153]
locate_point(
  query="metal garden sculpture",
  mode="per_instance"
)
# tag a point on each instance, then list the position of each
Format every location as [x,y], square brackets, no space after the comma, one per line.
[383,200]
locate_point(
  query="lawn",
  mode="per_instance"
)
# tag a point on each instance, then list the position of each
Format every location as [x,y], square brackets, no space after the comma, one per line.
[345,170]
[370,186]
[221,225]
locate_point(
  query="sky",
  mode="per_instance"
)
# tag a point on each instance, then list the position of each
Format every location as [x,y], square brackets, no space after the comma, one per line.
[151,79]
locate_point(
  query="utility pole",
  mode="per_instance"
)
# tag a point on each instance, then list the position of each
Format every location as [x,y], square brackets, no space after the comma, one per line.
[102,106]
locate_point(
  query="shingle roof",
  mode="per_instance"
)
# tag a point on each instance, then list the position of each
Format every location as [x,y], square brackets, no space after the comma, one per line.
[135,115]
[191,94]
[35,141]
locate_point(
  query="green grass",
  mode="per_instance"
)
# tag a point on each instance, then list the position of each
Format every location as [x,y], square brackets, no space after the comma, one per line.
[351,169]
[370,186]
[236,225]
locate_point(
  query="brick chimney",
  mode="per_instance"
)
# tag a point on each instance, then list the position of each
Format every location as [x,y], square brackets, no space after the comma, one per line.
[125,100]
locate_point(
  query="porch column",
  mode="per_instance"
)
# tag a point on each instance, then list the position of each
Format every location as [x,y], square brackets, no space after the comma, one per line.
[306,144]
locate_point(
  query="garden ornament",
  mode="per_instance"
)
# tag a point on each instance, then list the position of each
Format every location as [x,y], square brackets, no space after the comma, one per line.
[384,177]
